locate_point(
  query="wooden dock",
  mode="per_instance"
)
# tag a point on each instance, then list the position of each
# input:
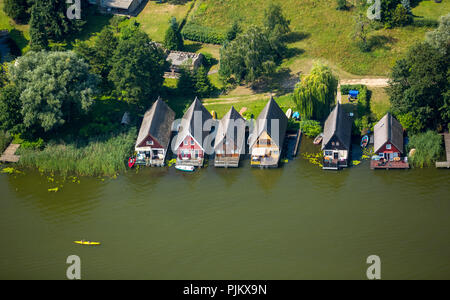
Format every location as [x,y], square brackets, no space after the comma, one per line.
[445,164]
[9,155]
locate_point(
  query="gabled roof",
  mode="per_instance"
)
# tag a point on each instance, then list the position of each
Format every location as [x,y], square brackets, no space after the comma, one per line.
[264,123]
[122,4]
[338,124]
[388,129]
[231,125]
[192,123]
[157,122]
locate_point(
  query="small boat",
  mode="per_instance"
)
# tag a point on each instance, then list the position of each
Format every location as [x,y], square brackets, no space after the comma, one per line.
[289,113]
[131,162]
[318,139]
[364,141]
[89,243]
[185,168]
[214,115]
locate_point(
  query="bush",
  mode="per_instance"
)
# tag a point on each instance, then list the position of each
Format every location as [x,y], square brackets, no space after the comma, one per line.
[34,145]
[202,34]
[341,4]
[5,139]
[310,128]
[428,147]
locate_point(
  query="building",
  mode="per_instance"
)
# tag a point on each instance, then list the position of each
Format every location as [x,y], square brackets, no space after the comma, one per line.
[191,143]
[125,7]
[154,135]
[230,140]
[267,137]
[388,144]
[179,59]
[337,138]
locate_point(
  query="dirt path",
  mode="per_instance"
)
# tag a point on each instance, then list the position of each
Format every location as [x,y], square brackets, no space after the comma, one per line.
[374,82]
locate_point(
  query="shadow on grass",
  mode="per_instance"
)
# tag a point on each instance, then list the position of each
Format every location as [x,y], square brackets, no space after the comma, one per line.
[19,39]
[194,47]
[295,36]
[380,42]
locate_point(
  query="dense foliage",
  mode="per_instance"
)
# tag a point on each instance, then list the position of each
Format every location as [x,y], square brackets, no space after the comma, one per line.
[440,38]
[395,13]
[310,128]
[316,92]
[137,68]
[54,88]
[5,139]
[195,83]
[18,10]
[428,147]
[419,86]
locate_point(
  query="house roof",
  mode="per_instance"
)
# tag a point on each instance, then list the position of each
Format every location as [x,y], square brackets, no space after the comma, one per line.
[157,122]
[388,129]
[192,123]
[228,127]
[122,4]
[264,123]
[338,124]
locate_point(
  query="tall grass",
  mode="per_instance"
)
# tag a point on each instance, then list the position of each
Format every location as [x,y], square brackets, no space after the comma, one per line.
[5,139]
[100,156]
[428,147]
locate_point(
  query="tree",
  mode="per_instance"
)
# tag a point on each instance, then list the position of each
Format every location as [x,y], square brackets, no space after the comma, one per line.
[49,18]
[249,57]
[173,39]
[203,86]
[55,88]
[233,31]
[274,18]
[185,84]
[395,13]
[315,93]
[3,75]
[17,10]
[419,84]
[440,38]
[10,107]
[361,31]
[98,52]
[137,69]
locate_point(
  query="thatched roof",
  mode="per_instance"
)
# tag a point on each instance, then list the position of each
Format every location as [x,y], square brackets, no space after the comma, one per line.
[157,122]
[388,129]
[192,123]
[231,125]
[337,124]
[264,123]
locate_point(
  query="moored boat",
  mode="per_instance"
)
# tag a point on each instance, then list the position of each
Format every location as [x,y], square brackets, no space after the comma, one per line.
[318,139]
[364,141]
[185,168]
[131,162]
[289,113]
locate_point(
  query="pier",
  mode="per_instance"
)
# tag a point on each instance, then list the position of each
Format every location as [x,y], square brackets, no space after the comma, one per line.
[445,164]
[9,156]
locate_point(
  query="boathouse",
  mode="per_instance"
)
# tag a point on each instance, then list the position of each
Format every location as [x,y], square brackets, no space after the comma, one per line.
[154,135]
[336,140]
[230,140]
[267,137]
[191,143]
[388,145]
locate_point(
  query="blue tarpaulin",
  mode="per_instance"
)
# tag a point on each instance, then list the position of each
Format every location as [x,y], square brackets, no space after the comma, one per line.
[353,93]
[296,115]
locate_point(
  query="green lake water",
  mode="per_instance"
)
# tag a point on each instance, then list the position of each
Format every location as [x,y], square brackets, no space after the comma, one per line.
[295,222]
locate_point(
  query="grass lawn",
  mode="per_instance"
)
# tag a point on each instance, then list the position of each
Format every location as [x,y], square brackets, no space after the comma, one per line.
[321,31]
[379,103]
[155,17]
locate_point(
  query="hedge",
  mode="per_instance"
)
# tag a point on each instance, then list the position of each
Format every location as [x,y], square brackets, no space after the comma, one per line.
[202,34]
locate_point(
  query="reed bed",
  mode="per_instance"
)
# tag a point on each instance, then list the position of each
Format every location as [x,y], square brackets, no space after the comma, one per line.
[100,156]
[428,147]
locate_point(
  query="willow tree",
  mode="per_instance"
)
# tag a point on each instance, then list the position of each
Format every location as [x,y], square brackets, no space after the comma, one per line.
[315,93]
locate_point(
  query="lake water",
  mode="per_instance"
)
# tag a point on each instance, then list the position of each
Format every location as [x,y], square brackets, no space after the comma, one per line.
[295,222]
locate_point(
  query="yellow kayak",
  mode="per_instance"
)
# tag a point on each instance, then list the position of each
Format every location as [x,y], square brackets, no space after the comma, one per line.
[87,243]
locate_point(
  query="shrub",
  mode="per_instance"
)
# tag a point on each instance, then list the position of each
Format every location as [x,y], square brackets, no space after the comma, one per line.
[202,34]
[428,147]
[341,4]
[310,128]
[33,145]
[5,139]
